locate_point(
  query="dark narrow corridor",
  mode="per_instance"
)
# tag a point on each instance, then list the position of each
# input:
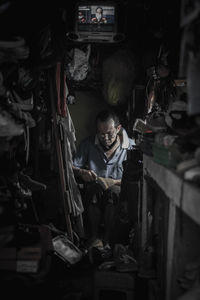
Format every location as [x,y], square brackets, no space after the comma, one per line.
[99,150]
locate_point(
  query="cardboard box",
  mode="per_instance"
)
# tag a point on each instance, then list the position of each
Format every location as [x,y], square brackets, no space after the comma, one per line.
[27,266]
[29,253]
[24,260]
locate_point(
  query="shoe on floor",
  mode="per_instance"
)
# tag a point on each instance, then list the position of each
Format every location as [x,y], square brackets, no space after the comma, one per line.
[127,267]
[96,243]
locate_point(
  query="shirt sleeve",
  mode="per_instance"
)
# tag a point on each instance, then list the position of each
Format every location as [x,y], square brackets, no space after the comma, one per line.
[132,144]
[80,159]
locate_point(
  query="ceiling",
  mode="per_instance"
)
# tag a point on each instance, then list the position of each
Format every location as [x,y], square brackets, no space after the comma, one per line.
[145,23]
[137,16]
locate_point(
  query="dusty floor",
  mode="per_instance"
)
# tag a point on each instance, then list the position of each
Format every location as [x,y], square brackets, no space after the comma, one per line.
[65,282]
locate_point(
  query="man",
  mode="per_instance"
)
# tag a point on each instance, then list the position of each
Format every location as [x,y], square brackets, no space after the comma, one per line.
[99,163]
[99,18]
[81,17]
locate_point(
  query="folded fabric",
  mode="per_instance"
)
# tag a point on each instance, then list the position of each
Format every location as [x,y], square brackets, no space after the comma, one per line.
[13,50]
[18,101]
[105,182]
[193,174]
[8,126]
[186,165]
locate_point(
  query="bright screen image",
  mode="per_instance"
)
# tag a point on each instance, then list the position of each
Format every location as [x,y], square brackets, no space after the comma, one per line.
[94,14]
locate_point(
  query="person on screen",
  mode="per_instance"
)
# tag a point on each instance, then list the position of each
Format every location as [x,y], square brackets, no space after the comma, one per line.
[99,18]
[81,17]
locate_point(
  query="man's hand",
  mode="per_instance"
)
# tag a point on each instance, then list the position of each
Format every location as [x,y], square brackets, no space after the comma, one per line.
[87,175]
[108,182]
[117,181]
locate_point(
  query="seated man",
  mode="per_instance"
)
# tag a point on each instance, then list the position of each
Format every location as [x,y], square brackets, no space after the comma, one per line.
[99,18]
[99,163]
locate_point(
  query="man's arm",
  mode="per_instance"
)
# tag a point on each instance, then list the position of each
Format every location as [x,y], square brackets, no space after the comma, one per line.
[90,176]
[80,161]
[84,174]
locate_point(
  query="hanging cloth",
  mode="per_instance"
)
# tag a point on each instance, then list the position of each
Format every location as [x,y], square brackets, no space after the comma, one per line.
[68,147]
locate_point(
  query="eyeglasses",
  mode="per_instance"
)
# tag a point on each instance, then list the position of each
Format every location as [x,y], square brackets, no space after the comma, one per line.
[109,135]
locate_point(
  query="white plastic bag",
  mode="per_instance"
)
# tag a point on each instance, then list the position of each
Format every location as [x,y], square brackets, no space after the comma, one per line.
[66,250]
[79,66]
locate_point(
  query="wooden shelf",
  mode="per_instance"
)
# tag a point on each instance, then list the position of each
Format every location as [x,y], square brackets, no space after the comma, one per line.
[180,194]
[183,194]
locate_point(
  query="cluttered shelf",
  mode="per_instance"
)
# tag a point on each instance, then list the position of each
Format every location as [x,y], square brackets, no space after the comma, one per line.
[183,194]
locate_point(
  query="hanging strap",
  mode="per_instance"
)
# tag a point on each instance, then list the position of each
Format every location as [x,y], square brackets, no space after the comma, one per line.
[60,159]
[61,90]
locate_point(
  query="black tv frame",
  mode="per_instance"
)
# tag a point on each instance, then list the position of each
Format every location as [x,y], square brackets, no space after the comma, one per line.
[96,33]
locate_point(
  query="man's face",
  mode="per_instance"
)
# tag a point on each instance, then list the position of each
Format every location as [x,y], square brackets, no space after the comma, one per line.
[80,15]
[99,14]
[99,11]
[107,132]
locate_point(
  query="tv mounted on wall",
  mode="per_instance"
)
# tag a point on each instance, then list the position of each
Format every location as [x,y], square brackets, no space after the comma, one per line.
[96,22]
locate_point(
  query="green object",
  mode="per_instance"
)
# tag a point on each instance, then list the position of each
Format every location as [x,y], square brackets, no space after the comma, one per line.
[164,156]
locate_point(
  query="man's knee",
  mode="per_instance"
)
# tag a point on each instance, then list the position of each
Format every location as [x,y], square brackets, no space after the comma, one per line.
[112,194]
[92,194]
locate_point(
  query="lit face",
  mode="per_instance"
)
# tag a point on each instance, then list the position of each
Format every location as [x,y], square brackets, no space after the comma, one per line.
[99,10]
[80,14]
[99,14]
[107,132]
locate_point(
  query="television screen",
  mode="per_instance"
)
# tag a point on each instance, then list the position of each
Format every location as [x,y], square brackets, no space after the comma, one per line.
[96,18]
[96,22]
